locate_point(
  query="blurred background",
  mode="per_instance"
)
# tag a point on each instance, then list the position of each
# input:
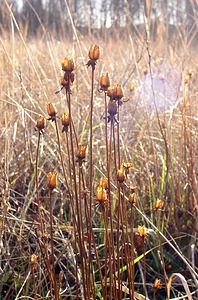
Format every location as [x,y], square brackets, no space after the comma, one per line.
[101,16]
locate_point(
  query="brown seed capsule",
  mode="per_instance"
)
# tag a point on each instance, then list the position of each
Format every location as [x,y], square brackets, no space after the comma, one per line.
[111,91]
[104,82]
[81,152]
[52,180]
[34,259]
[118,92]
[67,65]
[103,183]
[142,231]
[101,194]
[120,176]
[157,284]
[65,119]
[132,198]
[112,108]
[94,52]
[40,123]
[51,110]
[159,204]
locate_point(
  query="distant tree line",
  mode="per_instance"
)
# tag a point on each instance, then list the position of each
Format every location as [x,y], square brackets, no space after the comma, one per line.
[90,15]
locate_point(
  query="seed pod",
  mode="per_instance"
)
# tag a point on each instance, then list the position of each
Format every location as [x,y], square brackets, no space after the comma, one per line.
[101,194]
[34,259]
[118,92]
[52,180]
[112,108]
[67,65]
[142,231]
[40,123]
[159,204]
[94,52]
[51,110]
[111,91]
[157,284]
[65,119]
[103,183]
[120,176]
[133,198]
[104,82]
[81,152]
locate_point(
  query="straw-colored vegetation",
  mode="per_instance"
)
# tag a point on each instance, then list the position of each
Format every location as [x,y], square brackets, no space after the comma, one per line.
[98,186]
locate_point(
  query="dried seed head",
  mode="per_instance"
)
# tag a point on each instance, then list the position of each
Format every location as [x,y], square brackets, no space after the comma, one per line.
[133,198]
[40,123]
[159,204]
[65,119]
[34,259]
[94,52]
[52,180]
[157,284]
[101,194]
[51,110]
[112,108]
[120,176]
[103,183]
[111,91]
[81,152]
[67,65]
[142,231]
[104,82]
[118,92]
[115,92]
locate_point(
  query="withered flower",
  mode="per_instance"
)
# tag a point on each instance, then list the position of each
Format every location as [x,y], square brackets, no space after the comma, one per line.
[40,123]
[103,182]
[120,175]
[115,92]
[104,82]
[142,231]
[133,198]
[159,204]
[94,52]
[101,194]
[67,65]
[157,284]
[65,120]
[81,153]
[52,112]
[52,180]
